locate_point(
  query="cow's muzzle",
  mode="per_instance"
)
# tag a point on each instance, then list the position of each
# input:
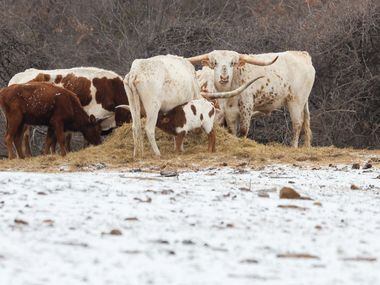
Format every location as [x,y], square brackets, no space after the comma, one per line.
[224,79]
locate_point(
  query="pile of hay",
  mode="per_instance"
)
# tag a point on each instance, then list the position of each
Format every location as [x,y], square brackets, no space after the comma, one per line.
[117,152]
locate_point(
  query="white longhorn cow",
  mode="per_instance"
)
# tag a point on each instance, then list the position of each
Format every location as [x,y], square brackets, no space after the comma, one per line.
[288,83]
[162,83]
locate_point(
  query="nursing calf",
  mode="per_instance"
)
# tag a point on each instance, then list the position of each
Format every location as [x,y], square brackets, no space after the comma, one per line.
[48,105]
[184,118]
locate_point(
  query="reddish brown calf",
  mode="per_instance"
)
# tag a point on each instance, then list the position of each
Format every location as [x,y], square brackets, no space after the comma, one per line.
[45,104]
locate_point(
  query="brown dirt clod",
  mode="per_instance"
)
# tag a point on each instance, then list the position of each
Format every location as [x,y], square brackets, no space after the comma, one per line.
[115,232]
[289,193]
[354,187]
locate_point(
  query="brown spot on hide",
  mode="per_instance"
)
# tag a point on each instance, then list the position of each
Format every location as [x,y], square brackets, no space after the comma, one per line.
[175,118]
[211,112]
[201,117]
[193,109]
[58,79]
[80,86]
[41,77]
[111,93]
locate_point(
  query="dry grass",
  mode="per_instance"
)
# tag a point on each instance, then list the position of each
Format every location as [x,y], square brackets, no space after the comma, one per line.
[116,153]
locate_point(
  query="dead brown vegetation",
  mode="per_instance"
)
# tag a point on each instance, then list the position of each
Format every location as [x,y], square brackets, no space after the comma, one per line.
[116,153]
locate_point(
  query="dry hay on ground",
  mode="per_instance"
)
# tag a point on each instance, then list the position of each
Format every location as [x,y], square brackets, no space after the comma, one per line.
[116,153]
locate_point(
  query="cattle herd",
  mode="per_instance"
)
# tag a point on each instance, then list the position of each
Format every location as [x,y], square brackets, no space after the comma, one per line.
[229,90]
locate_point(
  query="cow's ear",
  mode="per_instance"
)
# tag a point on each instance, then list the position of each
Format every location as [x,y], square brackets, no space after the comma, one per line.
[206,62]
[92,119]
[241,63]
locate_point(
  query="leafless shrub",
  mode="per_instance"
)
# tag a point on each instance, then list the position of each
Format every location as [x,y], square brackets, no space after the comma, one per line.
[342,37]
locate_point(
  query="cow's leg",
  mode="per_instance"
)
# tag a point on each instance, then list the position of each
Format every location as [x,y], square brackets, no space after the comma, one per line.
[150,127]
[26,142]
[296,115]
[306,125]
[69,136]
[14,121]
[179,141]
[50,141]
[211,141]
[18,141]
[246,104]
[9,142]
[245,120]
[60,134]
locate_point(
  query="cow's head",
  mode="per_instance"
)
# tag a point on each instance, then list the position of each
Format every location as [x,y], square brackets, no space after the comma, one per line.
[225,63]
[92,130]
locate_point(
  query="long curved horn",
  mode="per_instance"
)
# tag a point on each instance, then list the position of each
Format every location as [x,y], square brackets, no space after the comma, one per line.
[251,60]
[103,119]
[198,59]
[229,94]
[126,107]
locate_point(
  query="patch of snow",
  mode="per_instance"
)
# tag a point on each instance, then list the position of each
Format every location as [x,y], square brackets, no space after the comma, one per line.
[206,227]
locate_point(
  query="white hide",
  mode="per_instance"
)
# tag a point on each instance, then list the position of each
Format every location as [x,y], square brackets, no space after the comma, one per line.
[202,107]
[160,83]
[288,82]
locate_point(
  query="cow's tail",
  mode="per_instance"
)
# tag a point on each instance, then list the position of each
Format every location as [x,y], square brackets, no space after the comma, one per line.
[134,106]
[306,125]
[2,107]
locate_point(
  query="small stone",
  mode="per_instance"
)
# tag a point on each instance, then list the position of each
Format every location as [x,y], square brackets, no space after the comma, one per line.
[131,219]
[165,173]
[49,222]
[298,255]
[367,165]
[115,232]
[318,227]
[292,207]
[147,200]
[245,189]
[356,166]
[249,261]
[354,187]
[263,194]
[289,193]
[317,203]
[21,222]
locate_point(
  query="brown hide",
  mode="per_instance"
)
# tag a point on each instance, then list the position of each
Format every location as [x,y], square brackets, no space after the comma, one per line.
[40,103]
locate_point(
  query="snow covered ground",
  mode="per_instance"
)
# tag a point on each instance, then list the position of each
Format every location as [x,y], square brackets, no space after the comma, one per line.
[209,227]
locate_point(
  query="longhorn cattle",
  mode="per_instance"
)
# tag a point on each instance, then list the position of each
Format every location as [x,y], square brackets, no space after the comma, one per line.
[161,83]
[205,78]
[98,90]
[288,83]
[44,104]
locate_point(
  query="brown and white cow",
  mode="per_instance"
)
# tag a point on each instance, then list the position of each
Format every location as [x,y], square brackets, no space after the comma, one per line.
[98,90]
[289,80]
[45,104]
